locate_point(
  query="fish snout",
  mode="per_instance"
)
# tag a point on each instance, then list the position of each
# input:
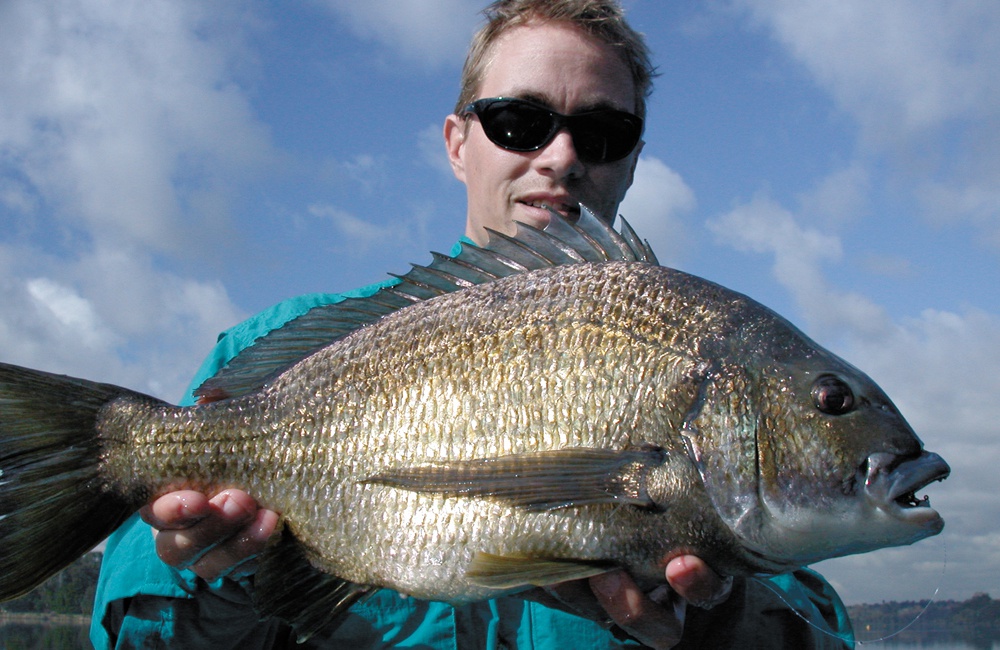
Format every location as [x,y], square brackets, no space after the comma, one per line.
[892,483]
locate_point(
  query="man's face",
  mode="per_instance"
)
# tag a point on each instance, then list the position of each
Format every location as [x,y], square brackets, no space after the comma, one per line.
[568,71]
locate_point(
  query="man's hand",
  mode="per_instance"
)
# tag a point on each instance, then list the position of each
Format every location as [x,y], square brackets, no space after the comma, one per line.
[656,619]
[214,537]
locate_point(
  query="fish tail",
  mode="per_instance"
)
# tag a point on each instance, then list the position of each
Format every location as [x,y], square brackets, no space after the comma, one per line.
[54,503]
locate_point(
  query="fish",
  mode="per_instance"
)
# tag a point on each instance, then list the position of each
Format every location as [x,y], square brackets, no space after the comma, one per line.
[544,408]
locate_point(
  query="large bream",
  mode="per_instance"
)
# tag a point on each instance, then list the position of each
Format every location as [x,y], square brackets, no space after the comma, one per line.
[540,410]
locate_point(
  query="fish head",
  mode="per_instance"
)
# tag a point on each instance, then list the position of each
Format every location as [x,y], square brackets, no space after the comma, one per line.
[804,457]
[838,466]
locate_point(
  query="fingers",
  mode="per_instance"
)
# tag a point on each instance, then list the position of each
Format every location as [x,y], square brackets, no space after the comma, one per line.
[696,582]
[574,597]
[189,523]
[214,537]
[655,624]
[657,619]
[236,556]
[176,510]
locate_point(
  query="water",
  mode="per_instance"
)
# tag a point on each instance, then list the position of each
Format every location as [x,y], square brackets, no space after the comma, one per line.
[24,636]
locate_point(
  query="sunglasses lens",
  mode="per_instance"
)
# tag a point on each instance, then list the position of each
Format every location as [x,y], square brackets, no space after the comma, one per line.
[604,136]
[516,126]
[598,136]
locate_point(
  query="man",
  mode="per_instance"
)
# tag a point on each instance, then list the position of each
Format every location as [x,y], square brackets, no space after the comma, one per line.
[510,142]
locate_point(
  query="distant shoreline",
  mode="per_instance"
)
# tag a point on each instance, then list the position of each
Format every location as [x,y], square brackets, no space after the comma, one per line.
[42,618]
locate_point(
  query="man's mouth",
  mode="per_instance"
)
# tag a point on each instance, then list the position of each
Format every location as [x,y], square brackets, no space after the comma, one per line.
[569,211]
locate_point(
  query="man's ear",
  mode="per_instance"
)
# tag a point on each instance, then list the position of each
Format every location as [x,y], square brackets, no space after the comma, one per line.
[454,141]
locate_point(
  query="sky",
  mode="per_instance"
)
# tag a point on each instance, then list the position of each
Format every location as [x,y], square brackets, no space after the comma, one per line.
[170,167]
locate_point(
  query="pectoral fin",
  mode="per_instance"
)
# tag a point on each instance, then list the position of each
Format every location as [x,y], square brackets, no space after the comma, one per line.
[545,480]
[506,572]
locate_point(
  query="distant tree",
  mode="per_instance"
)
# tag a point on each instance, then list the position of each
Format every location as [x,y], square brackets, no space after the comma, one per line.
[71,591]
[975,621]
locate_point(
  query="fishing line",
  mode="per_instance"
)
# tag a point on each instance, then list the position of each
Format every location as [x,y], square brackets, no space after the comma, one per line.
[944,566]
[765,582]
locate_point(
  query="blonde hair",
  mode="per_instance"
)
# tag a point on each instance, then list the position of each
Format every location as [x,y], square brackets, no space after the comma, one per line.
[603,19]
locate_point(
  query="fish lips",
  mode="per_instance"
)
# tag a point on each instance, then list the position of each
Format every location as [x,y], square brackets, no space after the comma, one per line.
[893,485]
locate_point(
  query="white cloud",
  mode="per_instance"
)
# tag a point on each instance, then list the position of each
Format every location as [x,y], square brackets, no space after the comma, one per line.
[841,196]
[944,365]
[764,226]
[67,314]
[923,82]
[654,206]
[359,232]
[359,236]
[435,32]
[120,118]
[979,203]
[900,68]
[122,134]
[117,320]
[888,265]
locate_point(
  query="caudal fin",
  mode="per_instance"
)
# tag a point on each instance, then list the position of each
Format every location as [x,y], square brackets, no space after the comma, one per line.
[54,505]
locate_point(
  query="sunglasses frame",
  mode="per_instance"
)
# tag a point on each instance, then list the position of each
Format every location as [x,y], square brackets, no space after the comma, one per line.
[558,121]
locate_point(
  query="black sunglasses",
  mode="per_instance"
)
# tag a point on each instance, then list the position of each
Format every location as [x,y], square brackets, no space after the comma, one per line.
[520,125]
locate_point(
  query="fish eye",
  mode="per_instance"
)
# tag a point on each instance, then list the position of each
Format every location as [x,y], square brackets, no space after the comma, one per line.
[832,396]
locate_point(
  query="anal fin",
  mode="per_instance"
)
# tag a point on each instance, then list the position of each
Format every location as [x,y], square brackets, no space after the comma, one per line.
[511,572]
[289,587]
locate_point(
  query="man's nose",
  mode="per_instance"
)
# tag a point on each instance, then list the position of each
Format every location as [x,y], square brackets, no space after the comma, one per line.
[559,158]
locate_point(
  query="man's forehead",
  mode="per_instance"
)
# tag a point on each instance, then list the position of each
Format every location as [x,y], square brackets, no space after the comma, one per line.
[557,63]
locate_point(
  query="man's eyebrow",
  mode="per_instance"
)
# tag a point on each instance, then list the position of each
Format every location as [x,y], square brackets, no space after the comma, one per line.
[531,97]
[599,105]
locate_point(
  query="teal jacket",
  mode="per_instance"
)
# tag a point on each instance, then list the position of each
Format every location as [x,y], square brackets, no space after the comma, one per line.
[143,603]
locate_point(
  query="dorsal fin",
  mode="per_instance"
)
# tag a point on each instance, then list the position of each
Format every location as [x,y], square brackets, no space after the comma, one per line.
[589,239]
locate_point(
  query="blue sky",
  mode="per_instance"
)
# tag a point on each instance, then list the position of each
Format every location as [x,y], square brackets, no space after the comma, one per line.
[168,168]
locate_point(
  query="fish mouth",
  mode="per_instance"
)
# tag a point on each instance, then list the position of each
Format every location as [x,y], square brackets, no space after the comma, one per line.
[895,484]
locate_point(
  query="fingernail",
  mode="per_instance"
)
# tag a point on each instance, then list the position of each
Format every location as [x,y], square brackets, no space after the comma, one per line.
[265,525]
[231,507]
[186,509]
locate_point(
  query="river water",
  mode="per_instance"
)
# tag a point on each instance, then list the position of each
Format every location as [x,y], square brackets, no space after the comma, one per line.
[22,636]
